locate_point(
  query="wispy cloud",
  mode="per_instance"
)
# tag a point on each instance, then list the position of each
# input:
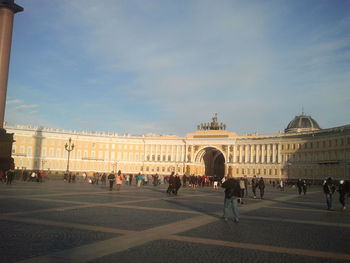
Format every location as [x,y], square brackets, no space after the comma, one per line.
[14,101]
[25,107]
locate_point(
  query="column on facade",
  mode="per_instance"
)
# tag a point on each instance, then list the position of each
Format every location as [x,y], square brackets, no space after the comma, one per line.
[252,148]
[150,152]
[244,148]
[263,153]
[257,153]
[268,151]
[234,153]
[192,153]
[177,153]
[240,153]
[228,153]
[279,153]
[183,157]
[274,153]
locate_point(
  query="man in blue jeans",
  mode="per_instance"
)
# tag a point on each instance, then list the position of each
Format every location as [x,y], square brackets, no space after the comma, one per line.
[232,194]
[329,189]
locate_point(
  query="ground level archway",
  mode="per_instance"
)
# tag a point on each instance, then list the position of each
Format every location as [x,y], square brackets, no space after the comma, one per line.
[212,162]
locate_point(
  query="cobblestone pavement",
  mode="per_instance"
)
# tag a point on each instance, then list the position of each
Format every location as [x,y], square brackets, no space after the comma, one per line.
[60,222]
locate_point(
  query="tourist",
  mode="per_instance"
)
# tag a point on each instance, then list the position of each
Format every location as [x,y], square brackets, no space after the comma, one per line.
[177,184]
[304,187]
[41,176]
[281,185]
[127,179]
[33,176]
[329,189]
[343,189]
[10,174]
[300,186]
[184,180]
[242,188]
[84,176]
[232,193]
[261,185]
[139,180]
[111,179]
[216,181]
[2,176]
[119,180]
[103,179]
[130,179]
[171,187]
[254,185]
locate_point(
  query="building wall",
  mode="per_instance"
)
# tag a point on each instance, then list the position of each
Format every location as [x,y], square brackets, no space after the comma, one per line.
[306,155]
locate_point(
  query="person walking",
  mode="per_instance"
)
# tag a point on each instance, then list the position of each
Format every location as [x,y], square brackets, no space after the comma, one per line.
[261,185]
[111,179]
[329,189]
[171,187]
[342,193]
[10,174]
[232,194]
[177,184]
[254,185]
[119,180]
[281,185]
[242,188]
[130,179]
[216,181]
[139,180]
[299,186]
[304,187]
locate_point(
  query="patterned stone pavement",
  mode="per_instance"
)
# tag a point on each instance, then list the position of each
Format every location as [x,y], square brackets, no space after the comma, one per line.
[60,222]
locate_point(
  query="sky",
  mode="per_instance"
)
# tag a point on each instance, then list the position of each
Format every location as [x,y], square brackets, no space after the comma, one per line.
[163,66]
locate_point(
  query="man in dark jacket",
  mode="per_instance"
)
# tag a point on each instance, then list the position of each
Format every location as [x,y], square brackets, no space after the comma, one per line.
[232,193]
[111,179]
[261,185]
[171,186]
[329,189]
[300,186]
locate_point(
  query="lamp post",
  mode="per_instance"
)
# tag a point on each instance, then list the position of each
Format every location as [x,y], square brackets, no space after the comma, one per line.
[69,147]
[43,164]
[115,166]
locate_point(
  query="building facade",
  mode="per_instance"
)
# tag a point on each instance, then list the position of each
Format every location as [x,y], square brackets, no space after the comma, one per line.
[303,150]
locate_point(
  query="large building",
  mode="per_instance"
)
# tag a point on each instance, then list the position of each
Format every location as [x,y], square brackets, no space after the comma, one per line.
[303,150]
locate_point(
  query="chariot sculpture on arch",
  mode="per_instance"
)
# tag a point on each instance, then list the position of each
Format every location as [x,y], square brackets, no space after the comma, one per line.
[214,125]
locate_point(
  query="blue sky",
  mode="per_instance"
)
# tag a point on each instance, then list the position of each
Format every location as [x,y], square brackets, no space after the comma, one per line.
[165,66]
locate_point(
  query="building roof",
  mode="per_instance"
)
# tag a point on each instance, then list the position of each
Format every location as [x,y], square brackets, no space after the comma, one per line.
[302,123]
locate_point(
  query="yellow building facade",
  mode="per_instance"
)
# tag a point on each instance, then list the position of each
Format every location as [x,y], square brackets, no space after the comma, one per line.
[303,150]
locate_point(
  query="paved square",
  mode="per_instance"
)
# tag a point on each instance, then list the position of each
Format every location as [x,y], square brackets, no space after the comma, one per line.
[60,222]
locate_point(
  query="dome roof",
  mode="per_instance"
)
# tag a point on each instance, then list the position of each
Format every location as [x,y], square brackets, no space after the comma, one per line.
[302,123]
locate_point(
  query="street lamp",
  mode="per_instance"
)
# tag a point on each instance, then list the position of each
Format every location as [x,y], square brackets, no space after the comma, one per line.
[43,164]
[69,147]
[115,166]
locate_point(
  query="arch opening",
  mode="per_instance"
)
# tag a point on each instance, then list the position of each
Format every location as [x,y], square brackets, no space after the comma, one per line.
[213,162]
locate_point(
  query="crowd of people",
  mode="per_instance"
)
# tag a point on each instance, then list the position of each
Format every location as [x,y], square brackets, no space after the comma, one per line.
[236,189]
